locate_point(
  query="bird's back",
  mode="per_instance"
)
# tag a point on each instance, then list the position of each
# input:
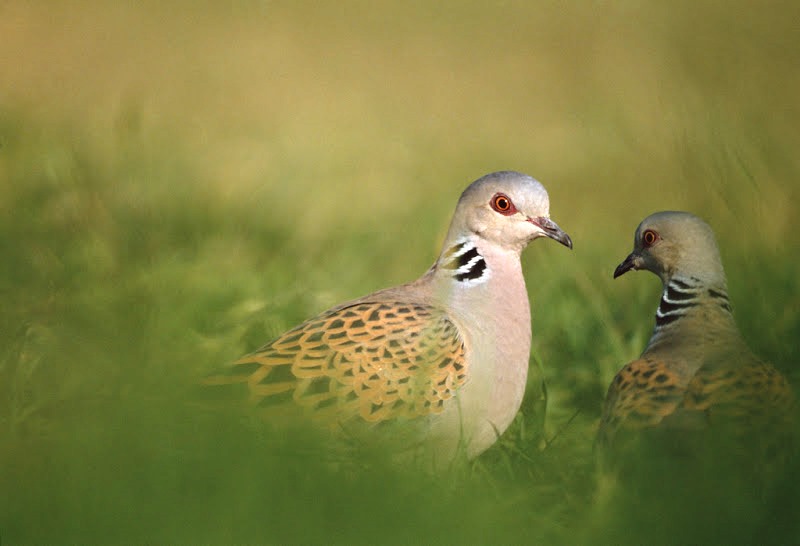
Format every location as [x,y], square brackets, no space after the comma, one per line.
[728,389]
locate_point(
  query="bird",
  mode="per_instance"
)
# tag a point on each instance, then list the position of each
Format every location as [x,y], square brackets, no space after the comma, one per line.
[697,432]
[444,357]
[696,379]
[696,368]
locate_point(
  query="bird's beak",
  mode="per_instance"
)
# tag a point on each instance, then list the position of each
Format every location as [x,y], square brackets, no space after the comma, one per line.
[552,230]
[627,264]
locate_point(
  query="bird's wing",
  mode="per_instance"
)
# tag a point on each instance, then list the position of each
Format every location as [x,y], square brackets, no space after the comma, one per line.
[641,395]
[755,393]
[747,398]
[376,360]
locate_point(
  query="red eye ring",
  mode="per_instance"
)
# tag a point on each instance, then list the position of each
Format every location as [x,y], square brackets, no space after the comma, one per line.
[649,237]
[502,203]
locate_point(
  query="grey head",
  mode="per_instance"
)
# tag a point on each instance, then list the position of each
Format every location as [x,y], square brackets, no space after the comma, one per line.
[508,209]
[674,244]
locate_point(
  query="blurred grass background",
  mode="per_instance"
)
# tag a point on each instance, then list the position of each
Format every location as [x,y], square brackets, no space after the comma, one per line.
[181,181]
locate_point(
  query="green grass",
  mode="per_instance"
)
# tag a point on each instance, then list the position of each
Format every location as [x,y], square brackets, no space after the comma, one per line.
[180,183]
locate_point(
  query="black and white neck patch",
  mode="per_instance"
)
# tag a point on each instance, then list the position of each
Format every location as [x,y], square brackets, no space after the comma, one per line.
[679,296]
[682,294]
[466,263]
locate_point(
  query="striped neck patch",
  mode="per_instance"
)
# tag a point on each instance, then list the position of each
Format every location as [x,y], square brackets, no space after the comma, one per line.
[466,263]
[680,295]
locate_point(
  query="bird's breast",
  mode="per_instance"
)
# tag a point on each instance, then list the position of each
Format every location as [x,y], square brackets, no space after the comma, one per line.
[497,337]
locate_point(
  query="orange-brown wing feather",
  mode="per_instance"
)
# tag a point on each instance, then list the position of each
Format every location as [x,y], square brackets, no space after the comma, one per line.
[756,392]
[641,395]
[647,393]
[379,361]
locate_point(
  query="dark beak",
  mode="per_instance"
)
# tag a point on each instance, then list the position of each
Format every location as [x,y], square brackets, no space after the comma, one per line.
[552,230]
[626,265]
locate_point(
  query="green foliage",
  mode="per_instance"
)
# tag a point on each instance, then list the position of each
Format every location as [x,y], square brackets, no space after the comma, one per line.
[204,177]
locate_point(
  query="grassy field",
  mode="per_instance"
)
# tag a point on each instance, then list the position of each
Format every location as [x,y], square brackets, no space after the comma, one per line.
[182,181]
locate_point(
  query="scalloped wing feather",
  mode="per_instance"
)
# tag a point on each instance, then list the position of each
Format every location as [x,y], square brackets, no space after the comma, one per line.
[376,360]
[757,392]
[641,395]
[648,392]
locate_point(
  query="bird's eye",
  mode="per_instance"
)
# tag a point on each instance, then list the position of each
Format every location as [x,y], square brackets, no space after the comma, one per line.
[502,203]
[649,237]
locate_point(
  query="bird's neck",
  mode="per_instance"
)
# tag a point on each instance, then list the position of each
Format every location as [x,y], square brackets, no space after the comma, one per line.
[692,308]
[463,263]
[474,273]
[485,292]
